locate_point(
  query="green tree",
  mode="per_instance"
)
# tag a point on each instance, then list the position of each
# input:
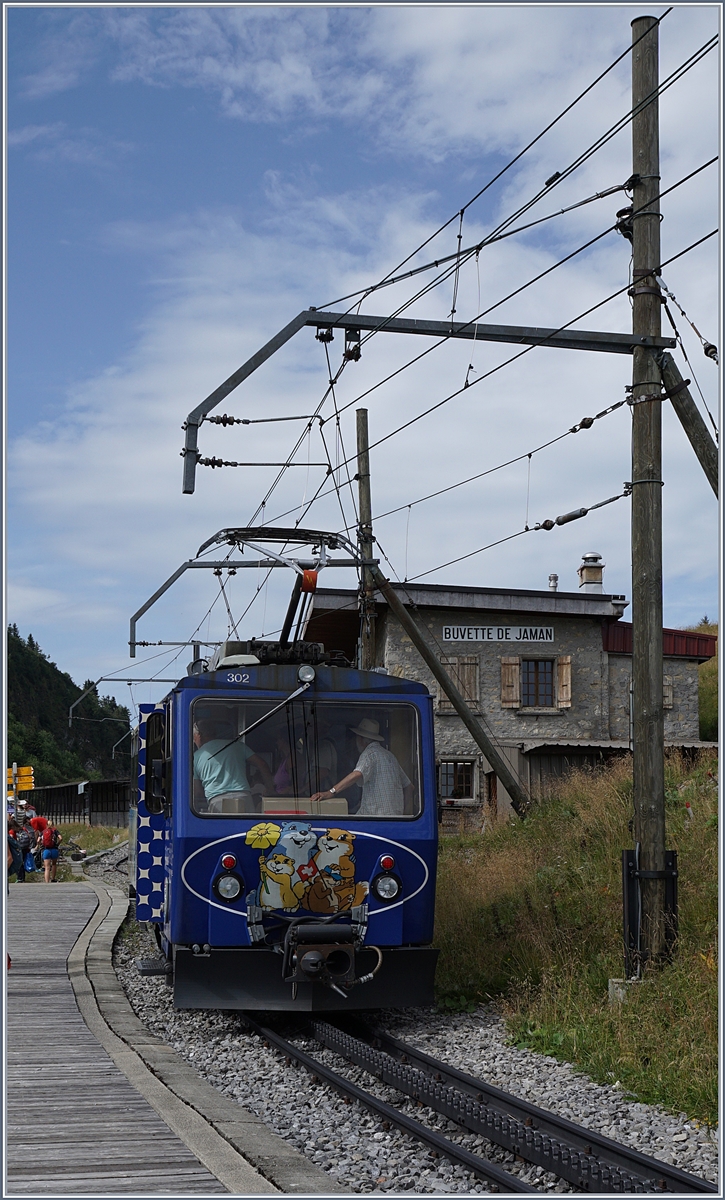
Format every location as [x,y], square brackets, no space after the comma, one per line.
[39,696]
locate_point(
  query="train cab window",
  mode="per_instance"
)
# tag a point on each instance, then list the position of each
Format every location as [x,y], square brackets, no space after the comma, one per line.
[289,763]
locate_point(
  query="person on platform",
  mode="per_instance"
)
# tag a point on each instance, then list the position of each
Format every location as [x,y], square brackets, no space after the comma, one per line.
[15,859]
[50,840]
[221,771]
[386,789]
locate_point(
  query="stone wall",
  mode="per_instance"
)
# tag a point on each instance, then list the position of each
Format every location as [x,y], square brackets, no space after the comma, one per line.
[586,718]
[599,710]
[682,721]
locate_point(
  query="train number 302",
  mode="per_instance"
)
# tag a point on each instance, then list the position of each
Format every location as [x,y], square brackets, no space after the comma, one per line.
[238,677]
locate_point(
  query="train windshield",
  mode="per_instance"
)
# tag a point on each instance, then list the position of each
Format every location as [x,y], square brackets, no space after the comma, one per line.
[369,754]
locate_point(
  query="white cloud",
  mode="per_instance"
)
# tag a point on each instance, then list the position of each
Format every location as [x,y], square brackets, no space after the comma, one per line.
[31,133]
[432,80]
[68,51]
[100,486]
[56,143]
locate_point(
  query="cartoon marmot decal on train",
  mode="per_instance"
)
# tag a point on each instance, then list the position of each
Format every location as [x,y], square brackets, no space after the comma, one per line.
[304,870]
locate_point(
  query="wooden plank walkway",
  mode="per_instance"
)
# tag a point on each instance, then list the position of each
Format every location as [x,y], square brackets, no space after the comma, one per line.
[75,1125]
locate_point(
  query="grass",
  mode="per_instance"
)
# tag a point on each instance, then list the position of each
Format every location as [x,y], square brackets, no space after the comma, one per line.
[530,916]
[91,838]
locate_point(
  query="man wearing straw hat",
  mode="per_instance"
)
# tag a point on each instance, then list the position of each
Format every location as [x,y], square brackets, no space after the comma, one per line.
[385,786]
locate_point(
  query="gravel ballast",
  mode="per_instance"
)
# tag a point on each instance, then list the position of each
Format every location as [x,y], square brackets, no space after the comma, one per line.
[350,1143]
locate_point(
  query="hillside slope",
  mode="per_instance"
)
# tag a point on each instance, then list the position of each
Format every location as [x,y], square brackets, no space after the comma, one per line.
[39,696]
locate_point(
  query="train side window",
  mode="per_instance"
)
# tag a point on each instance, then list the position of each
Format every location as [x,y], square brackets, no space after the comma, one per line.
[155,790]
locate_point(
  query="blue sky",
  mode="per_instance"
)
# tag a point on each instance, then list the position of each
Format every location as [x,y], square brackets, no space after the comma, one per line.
[182,181]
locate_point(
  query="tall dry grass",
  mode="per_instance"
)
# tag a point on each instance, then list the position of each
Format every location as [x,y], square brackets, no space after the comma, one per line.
[531,915]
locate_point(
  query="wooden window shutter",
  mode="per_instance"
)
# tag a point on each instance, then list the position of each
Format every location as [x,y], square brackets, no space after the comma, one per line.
[563,681]
[510,683]
[464,673]
[668,692]
[468,679]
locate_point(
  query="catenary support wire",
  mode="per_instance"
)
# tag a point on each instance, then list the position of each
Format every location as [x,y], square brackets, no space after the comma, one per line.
[512,162]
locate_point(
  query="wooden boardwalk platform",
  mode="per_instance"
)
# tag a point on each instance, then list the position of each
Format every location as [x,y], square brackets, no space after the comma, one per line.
[75,1125]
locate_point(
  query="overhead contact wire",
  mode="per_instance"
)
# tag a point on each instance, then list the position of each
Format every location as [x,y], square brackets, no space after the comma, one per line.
[575,515]
[560,176]
[535,279]
[519,354]
[515,159]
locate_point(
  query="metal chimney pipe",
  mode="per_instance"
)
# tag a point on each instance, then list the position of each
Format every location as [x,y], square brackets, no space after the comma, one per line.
[591,573]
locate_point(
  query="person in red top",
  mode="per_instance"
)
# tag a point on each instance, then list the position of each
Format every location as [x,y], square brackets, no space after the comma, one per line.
[50,840]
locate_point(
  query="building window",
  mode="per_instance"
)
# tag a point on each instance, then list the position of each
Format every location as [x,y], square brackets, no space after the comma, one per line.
[455,781]
[537,683]
[464,673]
[668,692]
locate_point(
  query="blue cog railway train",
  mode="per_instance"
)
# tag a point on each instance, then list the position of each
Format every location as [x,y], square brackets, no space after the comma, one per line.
[268,887]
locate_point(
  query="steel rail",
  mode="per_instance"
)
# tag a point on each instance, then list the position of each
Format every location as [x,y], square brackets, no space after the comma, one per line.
[496,1177]
[587,1159]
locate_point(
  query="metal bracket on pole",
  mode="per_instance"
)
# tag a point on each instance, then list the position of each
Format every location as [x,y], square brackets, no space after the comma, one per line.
[518,335]
[632,908]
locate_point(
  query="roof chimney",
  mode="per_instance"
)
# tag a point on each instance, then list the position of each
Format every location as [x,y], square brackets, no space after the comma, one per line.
[591,573]
[553,583]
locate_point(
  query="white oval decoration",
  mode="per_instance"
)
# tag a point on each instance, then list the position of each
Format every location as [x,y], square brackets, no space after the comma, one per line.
[316,829]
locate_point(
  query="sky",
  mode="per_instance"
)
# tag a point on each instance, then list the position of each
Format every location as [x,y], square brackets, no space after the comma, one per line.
[182,181]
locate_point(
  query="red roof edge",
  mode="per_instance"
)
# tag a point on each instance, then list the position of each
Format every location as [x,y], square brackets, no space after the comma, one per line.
[676,643]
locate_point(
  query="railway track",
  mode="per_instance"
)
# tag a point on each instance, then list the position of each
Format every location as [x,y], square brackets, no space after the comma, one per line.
[589,1161]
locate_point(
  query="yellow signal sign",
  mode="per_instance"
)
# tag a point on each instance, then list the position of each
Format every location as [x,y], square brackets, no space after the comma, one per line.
[23,778]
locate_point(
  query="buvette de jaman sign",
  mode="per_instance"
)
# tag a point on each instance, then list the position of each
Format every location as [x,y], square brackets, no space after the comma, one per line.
[498,633]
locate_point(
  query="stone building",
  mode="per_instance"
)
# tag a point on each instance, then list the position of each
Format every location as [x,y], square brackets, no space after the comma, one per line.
[547,672]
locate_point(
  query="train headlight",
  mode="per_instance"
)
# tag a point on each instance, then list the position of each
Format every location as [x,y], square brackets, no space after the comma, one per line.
[228,887]
[386,887]
[306,673]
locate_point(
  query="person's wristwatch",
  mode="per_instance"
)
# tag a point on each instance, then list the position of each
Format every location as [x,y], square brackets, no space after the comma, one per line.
[331,791]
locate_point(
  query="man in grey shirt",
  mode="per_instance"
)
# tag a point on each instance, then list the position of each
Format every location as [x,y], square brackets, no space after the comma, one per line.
[386,789]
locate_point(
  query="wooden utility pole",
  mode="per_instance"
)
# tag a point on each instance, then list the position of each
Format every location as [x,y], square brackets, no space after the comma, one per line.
[648,712]
[365,541]
[517,794]
[373,577]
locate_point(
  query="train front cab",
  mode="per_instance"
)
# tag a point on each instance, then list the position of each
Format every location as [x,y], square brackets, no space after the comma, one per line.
[267,899]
